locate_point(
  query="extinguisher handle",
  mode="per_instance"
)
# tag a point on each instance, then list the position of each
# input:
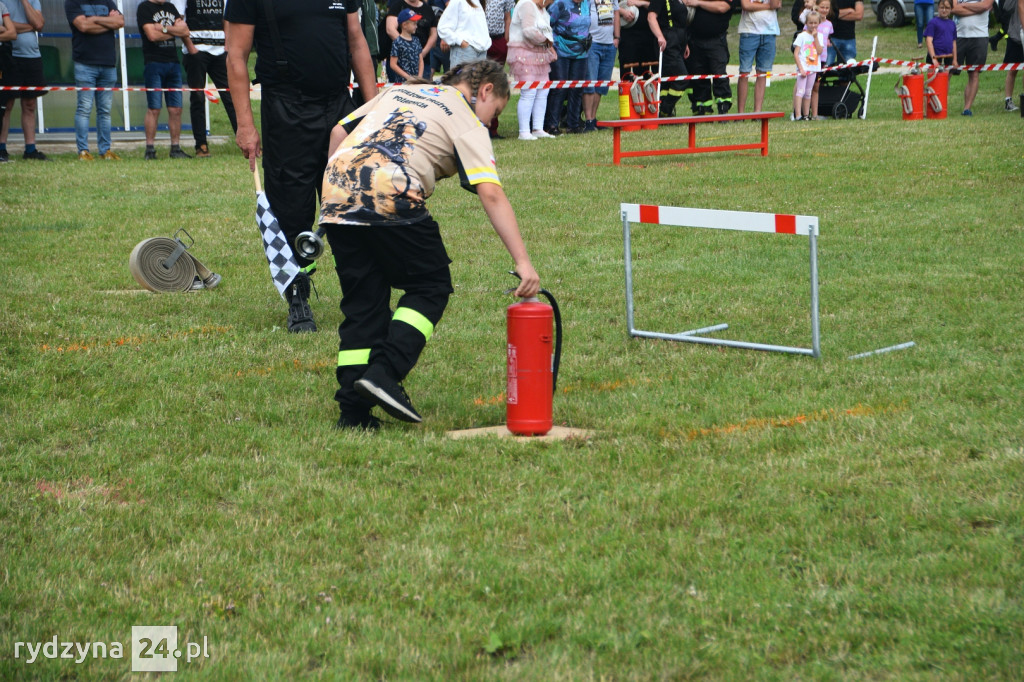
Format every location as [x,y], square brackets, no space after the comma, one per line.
[557,360]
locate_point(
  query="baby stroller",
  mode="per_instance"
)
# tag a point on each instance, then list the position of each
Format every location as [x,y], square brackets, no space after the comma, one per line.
[840,94]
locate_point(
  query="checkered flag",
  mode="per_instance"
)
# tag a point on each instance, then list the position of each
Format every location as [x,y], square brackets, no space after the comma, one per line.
[283,266]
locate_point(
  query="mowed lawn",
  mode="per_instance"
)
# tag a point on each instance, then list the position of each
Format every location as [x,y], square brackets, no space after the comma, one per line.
[171,459]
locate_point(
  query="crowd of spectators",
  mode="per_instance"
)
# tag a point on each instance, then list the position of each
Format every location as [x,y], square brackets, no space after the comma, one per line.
[539,40]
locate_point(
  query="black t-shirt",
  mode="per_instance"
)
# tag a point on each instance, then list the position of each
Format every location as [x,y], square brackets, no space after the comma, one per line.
[707,24]
[424,25]
[314,38]
[671,13]
[162,15]
[844,30]
[94,49]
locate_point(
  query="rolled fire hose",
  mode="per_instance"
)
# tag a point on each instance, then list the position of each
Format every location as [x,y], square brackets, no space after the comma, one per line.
[164,265]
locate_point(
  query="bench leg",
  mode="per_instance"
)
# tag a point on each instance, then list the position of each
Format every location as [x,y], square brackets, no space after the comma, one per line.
[616,152]
[764,137]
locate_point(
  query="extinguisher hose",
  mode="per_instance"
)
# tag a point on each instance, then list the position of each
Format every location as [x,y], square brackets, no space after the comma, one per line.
[557,359]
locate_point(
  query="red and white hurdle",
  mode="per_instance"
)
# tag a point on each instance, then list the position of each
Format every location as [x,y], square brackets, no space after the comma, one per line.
[775,223]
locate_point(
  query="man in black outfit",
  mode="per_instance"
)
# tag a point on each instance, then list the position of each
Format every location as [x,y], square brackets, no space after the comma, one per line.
[709,54]
[668,20]
[302,63]
[205,55]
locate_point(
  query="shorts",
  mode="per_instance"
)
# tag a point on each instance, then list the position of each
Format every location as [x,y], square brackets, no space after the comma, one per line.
[162,75]
[1014,52]
[25,72]
[757,45]
[971,51]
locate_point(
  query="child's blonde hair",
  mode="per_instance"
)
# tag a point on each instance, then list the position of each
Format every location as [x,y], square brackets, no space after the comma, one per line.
[812,13]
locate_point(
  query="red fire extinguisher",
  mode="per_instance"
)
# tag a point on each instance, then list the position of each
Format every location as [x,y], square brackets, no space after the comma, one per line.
[534,354]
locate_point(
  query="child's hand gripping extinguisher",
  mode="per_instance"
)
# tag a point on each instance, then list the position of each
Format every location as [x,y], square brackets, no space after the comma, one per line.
[532,369]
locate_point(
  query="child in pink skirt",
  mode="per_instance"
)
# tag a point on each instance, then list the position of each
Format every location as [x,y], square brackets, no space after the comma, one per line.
[530,53]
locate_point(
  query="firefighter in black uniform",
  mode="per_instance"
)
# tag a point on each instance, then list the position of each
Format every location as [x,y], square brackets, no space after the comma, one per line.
[668,20]
[709,54]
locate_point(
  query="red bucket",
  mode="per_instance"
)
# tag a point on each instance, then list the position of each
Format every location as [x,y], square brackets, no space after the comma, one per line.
[936,94]
[912,97]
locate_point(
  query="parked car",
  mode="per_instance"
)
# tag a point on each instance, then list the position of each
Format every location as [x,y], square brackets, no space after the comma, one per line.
[893,13]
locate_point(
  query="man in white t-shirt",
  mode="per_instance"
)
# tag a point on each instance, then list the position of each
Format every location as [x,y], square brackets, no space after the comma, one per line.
[971,18]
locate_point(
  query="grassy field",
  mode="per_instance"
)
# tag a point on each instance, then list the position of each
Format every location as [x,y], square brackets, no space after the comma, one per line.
[170,459]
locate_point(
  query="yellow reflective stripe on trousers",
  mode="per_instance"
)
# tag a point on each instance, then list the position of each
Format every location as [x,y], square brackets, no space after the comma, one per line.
[416,320]
[360,356]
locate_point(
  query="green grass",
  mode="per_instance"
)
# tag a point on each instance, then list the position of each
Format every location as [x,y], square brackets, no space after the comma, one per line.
[736,515]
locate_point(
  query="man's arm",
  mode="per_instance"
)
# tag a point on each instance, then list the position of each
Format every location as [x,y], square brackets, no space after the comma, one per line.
[34,17]
[179,29]
[855,13]
[238,45]
[652,22]
[713,6]
[7,30]
[966,9]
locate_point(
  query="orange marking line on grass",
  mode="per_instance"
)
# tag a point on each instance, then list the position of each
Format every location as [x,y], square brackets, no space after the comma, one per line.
[789,422]
[296,364]
[76,346]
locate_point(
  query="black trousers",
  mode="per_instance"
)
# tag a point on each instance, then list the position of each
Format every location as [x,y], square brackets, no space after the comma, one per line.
[709,56]
[370,262]
[673,63]
[296,130]
[197,66]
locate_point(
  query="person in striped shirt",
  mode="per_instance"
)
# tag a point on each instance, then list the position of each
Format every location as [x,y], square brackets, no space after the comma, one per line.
[385,159]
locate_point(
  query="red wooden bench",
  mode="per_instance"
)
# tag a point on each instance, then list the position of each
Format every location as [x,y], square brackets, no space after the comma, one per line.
[691,121]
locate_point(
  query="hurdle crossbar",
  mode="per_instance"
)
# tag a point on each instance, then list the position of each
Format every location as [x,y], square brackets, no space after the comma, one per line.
[722,220]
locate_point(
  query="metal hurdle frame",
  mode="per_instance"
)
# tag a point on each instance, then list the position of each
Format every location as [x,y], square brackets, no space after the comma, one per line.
[723,220]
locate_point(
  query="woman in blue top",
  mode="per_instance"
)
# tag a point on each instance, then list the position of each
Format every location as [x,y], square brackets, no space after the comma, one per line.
[570,23]
[924,10]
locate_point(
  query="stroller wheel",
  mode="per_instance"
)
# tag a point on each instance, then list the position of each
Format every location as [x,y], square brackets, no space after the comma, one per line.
[840,111]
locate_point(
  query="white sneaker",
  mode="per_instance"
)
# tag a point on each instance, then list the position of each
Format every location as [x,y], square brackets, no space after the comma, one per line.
[526,136]
[537,134]
[1008,105]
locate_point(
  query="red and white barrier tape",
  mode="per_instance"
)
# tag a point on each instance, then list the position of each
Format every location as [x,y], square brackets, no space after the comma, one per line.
[211,93]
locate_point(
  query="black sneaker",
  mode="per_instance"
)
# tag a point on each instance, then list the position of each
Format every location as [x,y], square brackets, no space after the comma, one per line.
[365,422]
[35,155]
[150,155]
[377,386]
[179,153]
[4,156]
[300,315]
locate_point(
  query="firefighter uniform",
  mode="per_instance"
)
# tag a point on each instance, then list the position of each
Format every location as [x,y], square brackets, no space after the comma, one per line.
[381,232]
[673,18]
[709,55]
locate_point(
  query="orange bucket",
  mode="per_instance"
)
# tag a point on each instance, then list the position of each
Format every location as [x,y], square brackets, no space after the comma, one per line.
[936,94]
[912,97]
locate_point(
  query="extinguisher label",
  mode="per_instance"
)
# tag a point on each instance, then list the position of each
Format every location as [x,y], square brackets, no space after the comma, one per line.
[513,371]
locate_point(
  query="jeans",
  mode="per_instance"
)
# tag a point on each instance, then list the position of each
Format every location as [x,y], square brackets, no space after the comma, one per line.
[88,76]
[757,49]
[566,69]
[848,46]
[159,76]
[600,62]
[923,13]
